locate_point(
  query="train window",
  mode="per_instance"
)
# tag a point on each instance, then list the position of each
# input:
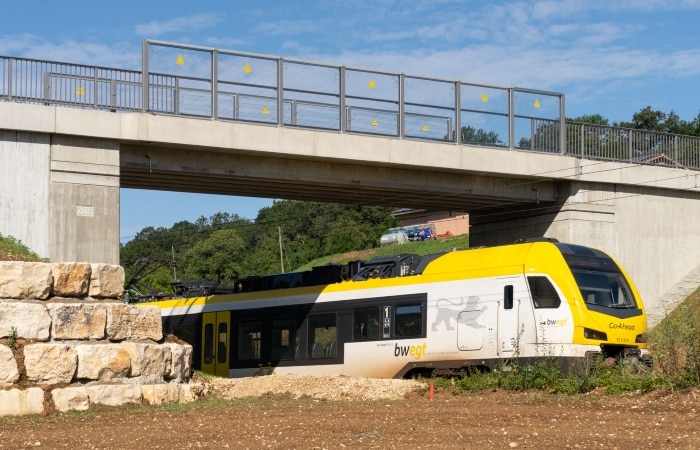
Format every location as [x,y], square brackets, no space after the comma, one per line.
[543,293]
[323,335]
[604,289]
[209,343]
[366,323]
[284,344]
[249,339]
[508,296]
[408,321]
[223,337]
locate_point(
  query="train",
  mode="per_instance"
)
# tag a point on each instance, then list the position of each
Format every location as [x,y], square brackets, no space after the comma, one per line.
[405,315]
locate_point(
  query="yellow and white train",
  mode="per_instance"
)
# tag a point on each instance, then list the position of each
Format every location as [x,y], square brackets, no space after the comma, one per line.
[407,315]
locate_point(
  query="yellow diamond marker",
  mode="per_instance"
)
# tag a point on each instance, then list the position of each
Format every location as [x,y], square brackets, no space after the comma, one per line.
[372,84]
[80,90]
[374,122]
[247,68]
[180,61]
[425,127]
[265,110]
[537,104]
[484,97]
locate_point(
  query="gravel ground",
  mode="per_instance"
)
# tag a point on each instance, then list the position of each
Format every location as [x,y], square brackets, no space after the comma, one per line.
[302,412]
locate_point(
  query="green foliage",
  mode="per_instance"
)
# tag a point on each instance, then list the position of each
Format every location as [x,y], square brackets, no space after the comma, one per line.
[419,248]
[226,246]
[675,343]
[12,337]
[217,258]
[12,249]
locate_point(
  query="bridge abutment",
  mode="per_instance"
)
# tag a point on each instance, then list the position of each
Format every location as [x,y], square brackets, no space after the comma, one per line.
[61,195]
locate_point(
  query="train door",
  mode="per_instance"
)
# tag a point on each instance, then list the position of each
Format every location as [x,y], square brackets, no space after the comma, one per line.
[216,338]
[508,321]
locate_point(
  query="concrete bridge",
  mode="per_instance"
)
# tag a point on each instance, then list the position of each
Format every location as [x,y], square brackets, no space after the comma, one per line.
[62,167]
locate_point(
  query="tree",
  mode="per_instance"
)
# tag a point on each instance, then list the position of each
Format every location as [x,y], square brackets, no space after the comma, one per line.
[470,135]
[218,257]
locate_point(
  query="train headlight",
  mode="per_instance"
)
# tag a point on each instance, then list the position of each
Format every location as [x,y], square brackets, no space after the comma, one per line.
[641,338]
[594,334]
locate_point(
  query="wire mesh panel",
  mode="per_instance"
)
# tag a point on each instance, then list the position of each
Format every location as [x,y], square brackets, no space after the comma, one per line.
[536,120]
[372,99]
[429,109]
[247,88]
[180,80]
[484,115]
[312,93]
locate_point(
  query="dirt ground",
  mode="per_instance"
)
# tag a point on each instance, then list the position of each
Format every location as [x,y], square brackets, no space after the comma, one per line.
[295,412]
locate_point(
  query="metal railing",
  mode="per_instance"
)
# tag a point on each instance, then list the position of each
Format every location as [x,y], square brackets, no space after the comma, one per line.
[210,83]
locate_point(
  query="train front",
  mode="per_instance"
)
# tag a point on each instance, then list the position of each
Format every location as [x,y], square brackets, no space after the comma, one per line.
[610,311]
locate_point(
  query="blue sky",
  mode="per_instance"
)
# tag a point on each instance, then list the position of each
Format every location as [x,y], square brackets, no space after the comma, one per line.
[608,57]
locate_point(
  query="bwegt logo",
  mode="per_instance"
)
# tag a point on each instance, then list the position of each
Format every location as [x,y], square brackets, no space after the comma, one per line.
[416,351]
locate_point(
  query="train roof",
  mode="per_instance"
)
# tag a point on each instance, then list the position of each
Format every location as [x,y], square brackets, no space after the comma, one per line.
[391,266]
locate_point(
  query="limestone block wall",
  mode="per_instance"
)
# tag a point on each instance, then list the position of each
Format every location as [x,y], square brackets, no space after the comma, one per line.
[67,342]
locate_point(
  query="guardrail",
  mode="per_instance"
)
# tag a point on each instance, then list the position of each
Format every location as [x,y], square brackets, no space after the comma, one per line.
[210,83]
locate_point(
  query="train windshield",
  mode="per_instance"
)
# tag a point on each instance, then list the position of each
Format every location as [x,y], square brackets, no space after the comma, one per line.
[602,284]
[609,290]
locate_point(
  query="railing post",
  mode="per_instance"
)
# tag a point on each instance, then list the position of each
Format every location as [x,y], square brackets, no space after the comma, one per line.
[675,149]
[562,126]
[9,79]
[280,92]
[343,114]
[458,113]
[582,137]
[214,84]
[400,125]
[144,76]
[511,118]
[113,95]
[629,145]
[95,88]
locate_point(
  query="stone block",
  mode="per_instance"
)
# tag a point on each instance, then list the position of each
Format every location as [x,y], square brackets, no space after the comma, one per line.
[31,320]
[102,362]
[78,320]
[159,394]
[8,367]
[71,279]
[25,280]
[146,359]
[15,402]
[107,281]
[50,363]
[71,399]
[133,322]
[191,392]
[179,364]
[114,394]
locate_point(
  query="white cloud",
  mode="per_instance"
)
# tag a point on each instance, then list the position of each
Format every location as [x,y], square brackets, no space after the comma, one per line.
[117,55]
[178,24]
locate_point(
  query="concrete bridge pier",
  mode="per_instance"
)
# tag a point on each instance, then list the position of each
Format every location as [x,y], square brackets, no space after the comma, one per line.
[64,201]
[647,229]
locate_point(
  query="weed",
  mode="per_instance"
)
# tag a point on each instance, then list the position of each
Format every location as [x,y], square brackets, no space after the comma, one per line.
[12,337]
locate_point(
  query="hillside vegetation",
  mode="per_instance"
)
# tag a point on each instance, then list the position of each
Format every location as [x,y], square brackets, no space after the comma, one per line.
[418,248]
[12,249]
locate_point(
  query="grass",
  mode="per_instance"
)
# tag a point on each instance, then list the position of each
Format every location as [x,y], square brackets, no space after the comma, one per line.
[418,247]
[12,249]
